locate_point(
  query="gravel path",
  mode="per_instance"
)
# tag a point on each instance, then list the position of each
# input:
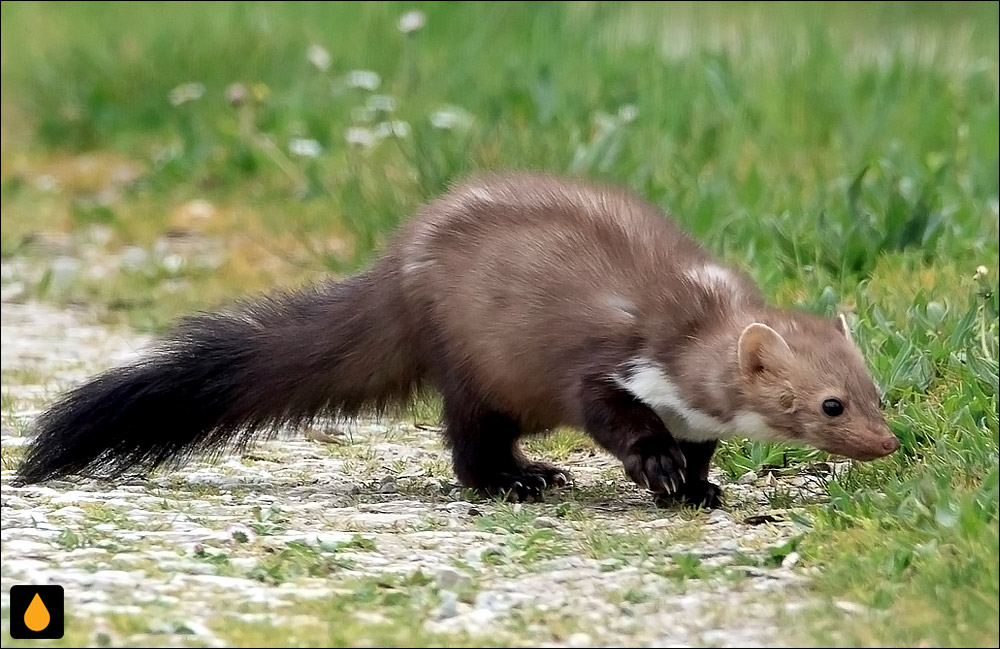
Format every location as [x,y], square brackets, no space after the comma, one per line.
[360,538]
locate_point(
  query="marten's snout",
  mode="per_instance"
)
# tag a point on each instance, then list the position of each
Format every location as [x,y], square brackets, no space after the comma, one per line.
[880,444]
[891,445]
[865,444]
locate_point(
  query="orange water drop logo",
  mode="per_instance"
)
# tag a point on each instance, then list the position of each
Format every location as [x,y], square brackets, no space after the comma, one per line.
[37,616]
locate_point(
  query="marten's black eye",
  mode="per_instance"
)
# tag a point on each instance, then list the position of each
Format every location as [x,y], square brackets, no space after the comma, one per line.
[833,408]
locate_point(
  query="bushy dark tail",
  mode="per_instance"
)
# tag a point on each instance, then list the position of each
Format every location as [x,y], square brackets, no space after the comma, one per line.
[219,381]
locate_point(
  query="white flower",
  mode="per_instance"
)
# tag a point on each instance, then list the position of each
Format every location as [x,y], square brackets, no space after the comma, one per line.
[628,113]
[307,148]
[237,93]
[450,117]
[186,92]
[397,128]
[383,103]
[318,56]
[361,136]
[411,21]
[376,106]
[362,79]
[173,263]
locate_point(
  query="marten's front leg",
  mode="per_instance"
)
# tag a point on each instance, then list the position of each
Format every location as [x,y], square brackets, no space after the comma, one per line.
[697,489]
[636,435]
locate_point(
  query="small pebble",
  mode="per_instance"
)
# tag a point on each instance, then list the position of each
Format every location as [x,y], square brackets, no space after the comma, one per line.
[448,607]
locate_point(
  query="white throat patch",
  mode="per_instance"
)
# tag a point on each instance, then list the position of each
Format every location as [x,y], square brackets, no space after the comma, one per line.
[651,385]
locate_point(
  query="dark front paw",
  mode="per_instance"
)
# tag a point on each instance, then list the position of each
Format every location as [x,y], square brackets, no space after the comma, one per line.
[656,463]
[699,493]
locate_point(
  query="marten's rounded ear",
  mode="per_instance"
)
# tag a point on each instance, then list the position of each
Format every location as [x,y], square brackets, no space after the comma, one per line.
[761,349]
[841,324]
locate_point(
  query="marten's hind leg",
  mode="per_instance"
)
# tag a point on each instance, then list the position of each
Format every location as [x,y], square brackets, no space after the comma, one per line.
[486,455]
[550,475]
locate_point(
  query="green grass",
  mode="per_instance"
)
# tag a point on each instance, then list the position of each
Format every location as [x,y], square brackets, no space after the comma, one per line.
[845,154]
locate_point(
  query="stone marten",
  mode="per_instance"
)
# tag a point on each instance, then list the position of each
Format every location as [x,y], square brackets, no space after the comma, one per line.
[528,302]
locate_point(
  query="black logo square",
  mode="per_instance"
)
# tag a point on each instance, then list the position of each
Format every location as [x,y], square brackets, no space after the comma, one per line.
[36,612]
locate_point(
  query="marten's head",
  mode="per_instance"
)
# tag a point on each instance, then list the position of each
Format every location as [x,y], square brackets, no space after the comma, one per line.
[807,379]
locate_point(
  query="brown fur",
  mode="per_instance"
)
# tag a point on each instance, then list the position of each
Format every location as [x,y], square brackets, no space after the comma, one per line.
[525,278]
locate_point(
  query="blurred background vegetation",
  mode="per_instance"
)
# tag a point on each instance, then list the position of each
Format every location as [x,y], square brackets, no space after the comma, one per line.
[793,138]
[161,157]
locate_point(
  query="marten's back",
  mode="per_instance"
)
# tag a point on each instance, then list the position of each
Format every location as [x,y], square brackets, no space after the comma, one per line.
[524,279]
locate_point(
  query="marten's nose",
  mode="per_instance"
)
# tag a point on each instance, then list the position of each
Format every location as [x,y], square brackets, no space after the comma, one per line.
[891,445]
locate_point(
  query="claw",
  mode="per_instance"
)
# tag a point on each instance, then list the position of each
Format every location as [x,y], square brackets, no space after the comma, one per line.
[683,477]
[559,480]
[515,493]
